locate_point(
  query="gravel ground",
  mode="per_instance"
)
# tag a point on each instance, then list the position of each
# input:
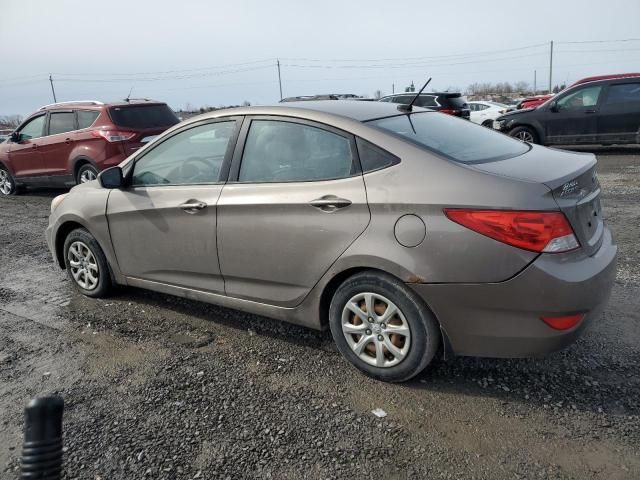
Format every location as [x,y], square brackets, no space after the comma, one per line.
[161,387]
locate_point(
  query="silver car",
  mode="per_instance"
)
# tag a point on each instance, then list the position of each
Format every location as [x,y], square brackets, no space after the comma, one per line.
[408,233]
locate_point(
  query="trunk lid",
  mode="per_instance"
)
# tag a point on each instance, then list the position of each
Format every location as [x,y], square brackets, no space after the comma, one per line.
[574,184]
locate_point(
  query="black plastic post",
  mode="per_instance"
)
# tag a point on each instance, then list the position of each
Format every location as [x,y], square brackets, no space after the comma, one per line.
[42,449]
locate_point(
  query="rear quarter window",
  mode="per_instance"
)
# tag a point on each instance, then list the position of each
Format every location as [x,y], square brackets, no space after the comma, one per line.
[86,118]
[374,158]
[453,138]
[143,116]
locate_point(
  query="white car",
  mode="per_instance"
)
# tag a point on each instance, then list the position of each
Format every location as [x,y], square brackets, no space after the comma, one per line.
[484,113]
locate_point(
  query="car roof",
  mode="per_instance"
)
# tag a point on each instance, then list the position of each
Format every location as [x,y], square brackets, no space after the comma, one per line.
[98,104]
[614,76]
[317,110]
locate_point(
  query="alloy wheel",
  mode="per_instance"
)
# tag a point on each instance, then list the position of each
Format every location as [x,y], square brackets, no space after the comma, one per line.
[524,136]
[6,184]
[87,176]
[376,330]
[83,265]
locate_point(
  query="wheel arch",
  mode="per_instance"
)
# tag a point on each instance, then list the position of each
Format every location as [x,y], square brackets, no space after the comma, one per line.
[79,161]
[332,285]
[536,129]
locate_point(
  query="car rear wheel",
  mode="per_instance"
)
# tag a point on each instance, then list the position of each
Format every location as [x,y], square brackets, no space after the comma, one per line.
[488,123]
[382,327]
[86,264]
[86,173]
[7,184]
[524,134]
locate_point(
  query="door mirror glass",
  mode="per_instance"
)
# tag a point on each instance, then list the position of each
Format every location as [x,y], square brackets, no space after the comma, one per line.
[15,137]
[111,178]
[553,106]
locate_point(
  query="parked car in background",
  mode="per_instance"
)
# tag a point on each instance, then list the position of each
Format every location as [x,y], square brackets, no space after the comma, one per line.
[357,216]
[446,102]
[67,143]
[327,96]
[532,102]
[596,112]
[484,113]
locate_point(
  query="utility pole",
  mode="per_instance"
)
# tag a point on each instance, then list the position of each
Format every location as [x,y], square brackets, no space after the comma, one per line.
[550,66]
[393,88]
[535,82]
[52,89]
[279,78]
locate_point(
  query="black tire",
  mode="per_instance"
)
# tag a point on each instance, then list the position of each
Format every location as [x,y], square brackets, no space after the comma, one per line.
[488,123]
[424,328]
[7,183]
[84,170]
[103,285]
[521,133]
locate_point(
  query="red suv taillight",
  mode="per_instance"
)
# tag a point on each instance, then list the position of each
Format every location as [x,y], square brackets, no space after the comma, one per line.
[450,111]
[547,232]
[113,135]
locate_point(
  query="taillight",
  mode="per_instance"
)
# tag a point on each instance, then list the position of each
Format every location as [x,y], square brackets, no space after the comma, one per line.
[563,322]
[536,231]
[113,135]
[450,111]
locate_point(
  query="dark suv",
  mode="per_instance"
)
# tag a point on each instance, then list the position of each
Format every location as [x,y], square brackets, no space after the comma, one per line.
[68,143]
[594,112]
[445,102]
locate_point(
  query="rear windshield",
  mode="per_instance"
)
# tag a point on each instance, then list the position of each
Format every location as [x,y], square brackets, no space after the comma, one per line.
[143,116]
[456,139]
[457,102]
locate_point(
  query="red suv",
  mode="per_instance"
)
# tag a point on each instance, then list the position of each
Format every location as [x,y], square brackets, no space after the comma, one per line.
[68,143]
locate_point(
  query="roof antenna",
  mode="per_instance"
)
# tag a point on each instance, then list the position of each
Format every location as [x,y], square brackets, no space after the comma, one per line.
[129,96]
[409,108]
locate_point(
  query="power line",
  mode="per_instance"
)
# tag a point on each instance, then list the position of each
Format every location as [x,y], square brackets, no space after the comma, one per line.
[603,41]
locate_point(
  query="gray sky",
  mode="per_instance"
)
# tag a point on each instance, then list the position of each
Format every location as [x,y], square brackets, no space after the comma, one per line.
[223,52]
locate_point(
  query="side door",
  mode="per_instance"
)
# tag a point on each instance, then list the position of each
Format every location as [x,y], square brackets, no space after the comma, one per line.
[24,155]
[163,225]
[294,203]
[619,119]
[56,146]
[573,117]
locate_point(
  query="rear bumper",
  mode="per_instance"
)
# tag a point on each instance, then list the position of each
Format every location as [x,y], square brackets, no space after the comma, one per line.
[503,319]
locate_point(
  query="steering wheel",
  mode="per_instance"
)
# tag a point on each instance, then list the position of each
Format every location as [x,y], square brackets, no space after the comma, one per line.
[194,169]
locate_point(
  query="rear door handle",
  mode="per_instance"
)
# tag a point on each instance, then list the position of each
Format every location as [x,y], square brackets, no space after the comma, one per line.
[193,206]
[589,111]
[330,203]
[67,140]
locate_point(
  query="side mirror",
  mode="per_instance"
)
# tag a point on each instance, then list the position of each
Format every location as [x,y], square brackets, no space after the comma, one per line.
[553,106]
[111,178]
[15,137]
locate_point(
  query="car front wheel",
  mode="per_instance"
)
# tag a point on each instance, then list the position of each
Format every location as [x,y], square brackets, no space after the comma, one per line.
[524,134]
[7,184]
[86,264]
[382,327]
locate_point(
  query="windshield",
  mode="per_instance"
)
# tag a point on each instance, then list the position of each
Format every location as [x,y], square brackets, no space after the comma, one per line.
[143,116]
[456,139]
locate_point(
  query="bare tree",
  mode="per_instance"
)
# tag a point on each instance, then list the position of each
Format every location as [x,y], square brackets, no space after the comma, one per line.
[246,103]
[521,86]
[377,94]
[10,121]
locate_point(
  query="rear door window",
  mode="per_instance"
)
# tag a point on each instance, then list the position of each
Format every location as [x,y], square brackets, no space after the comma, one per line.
[61,122]
[621,94]
[143,116]
[86,118]
[280,151]
[456,139]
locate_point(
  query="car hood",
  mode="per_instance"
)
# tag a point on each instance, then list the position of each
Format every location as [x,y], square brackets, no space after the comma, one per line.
[515,113]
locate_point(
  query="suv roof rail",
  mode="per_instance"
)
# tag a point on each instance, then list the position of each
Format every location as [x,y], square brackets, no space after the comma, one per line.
[73,102]
[129,100]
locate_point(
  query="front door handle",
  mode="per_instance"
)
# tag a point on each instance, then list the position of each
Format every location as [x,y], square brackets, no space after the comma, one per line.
[67,141]
[589,111]
[193,206]
[330,203]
